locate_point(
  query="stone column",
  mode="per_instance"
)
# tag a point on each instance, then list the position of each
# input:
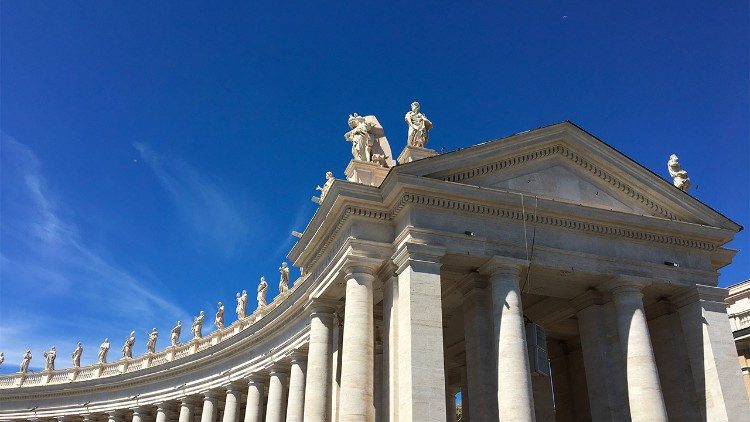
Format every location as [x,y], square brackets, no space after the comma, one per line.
[480,353]
[161,411]
[421,371]
[296,403]
[605,370]
[254,407]
[232,404]
[377,385]
[319,355]
[465,399]
[644,391]
[515,399]
[275,407]
[210,411]
[712,354]
[356,394]
[187,409]
[338,345]
[390,346]
[140,414]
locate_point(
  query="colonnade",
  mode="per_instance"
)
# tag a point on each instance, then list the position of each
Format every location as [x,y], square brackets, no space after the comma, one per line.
[344,374]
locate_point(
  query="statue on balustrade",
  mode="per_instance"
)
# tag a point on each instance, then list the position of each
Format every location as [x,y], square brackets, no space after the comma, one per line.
[127,348]
[151,344]
[219,320]
[262,290]
[679,176]
[103,349]
[419,127]
[198,325]
[360,137]
[2,358]
[284,281]
[176,331]
[25,361]
[241,304]
[326,186]
[49,359]
[77,355]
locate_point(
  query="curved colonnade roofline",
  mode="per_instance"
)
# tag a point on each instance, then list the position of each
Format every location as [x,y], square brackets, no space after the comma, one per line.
[212,342]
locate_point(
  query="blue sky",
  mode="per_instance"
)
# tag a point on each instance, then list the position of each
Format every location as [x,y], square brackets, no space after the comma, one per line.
[156,155]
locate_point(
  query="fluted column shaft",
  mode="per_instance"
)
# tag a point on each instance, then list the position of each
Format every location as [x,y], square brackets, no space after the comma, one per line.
[296,402]
[357,361]
[187,407]
[209,408]
[644,391]
[318,381]
[232,404]
[514,391]
[254,407]
[275,407]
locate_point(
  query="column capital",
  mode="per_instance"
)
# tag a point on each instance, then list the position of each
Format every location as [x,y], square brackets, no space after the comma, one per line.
[699,293]
[498,265]
[355,264]
[588,298]
[210,395]
[278,369]
[322,307]
[298,357]
[627,283]
[232,387]
[471,282]
[256,379]
[427,256]
[188,401]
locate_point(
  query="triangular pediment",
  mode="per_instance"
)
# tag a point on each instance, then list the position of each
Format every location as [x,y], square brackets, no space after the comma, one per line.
[565,163]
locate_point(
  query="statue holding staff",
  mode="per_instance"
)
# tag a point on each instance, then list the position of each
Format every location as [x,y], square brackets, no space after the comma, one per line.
[127,348]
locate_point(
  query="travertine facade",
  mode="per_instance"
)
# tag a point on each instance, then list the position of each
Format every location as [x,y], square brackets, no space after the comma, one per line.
[543,276]
[739,319]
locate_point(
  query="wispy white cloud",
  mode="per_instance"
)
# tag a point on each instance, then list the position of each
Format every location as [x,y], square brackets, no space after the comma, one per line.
[54,287]
[212,215]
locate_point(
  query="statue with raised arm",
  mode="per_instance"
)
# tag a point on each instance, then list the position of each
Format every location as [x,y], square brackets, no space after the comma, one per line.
[679,176]
[77,355]
[360,137]
[25,361]
[49,359]
[418,125]
[103,349]
[262,290]
[284,281]
[219,320]
[151,343]
[242,305]
[176,331]
[127,348]
[198,325]
[324,190]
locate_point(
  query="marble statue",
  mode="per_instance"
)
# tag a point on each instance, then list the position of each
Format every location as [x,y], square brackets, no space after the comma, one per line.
[2,358]
[360,137]
[176,331]
[198,325]
[241,304]
[127,348]
[103,349]
[25,361]
[151,344]
[679,176]
[77,355]
[49,359]
[284,281]
[219,320]
[419,127]
[326,186]
[262,290]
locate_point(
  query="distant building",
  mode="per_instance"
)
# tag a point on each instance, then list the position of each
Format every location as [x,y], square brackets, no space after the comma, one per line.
[739,319]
